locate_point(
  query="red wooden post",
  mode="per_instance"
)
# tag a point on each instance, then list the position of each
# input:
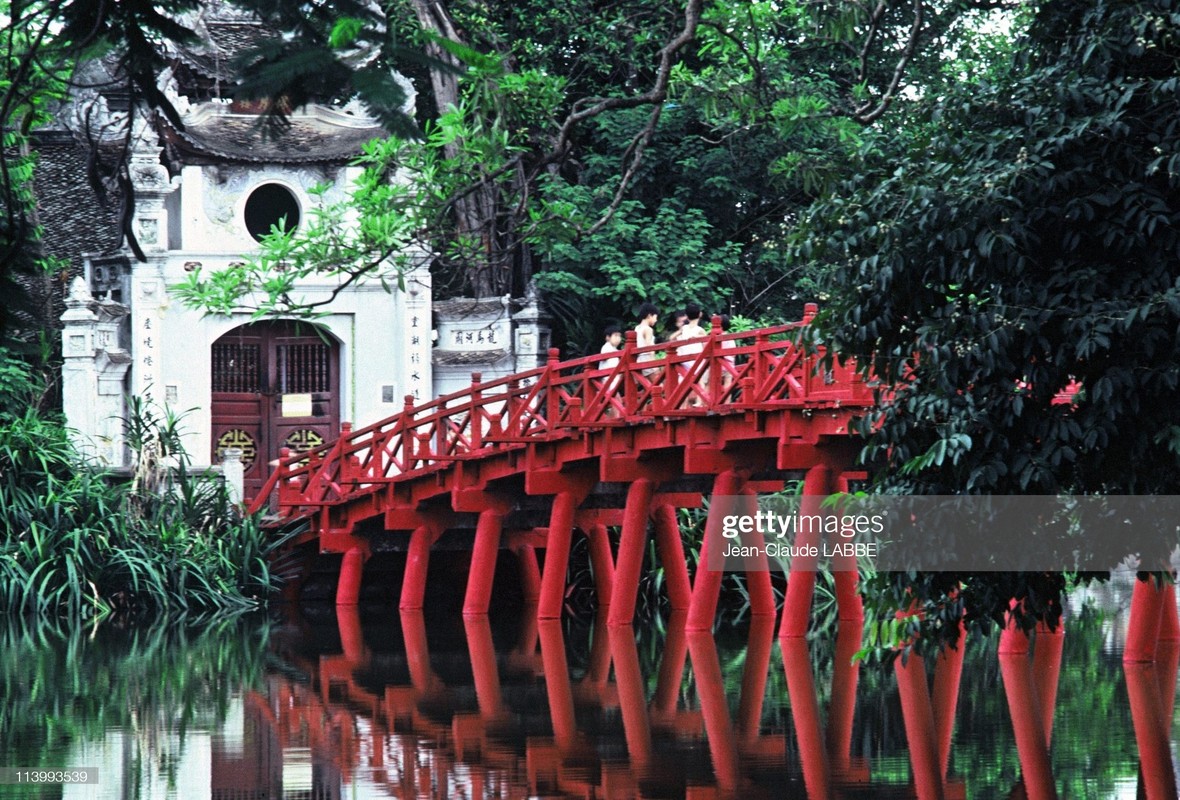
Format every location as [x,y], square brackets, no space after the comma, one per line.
[817,484]
[632,543]
[849,604]
[759,366]
[762,600]
[483,563]
[714,369]
[557,551]
[706,583]
[671,378]
[809,361]
[1143,629]
[288,493]
[530,573]
[671,552]
[630,388]
[348,586]
[475,418]
[406,426]
[549,384]
[349,465]
[511,411]
[417,566]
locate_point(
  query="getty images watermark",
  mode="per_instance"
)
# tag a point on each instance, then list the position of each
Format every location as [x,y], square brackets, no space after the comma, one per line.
[942,533]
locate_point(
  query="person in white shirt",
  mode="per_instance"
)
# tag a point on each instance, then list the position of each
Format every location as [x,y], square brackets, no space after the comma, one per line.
[613,338]
[645,331]
[692,330]
[679,319]
[692,342]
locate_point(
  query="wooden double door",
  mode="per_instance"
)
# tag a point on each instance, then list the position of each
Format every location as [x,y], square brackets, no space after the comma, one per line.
[274,385]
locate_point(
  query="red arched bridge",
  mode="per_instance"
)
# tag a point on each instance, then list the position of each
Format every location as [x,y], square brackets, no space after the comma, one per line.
[624,440]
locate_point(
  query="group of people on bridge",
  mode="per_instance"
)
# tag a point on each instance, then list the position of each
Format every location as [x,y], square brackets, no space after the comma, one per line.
[686,333]
[686,325]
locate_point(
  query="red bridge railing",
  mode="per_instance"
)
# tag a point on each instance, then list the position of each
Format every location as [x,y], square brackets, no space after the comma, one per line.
[720,373]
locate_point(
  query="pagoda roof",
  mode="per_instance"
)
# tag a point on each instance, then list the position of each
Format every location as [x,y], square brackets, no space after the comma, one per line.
[312,134]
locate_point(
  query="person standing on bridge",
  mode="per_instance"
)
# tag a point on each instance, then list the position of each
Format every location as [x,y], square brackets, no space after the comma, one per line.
[645,333]
[692,342]
[679,320]
[613,338]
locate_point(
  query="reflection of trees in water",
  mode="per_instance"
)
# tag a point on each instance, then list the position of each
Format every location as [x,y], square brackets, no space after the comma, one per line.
[155,680]
[480,697]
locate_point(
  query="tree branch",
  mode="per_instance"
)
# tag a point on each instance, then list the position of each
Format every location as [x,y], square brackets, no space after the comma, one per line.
[866,114]
[654,97]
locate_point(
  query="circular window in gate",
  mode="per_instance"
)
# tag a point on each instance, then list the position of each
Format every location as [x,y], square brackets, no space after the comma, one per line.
[236,437]
[271,205]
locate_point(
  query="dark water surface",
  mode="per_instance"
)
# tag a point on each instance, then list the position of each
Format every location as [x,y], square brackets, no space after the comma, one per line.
[336,704]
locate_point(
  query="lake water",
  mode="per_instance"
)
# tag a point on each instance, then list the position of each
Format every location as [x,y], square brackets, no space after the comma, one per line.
[377,704]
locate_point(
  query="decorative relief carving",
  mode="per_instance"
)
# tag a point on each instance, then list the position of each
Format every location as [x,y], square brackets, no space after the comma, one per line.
[302,440]
[147,231]
[236,437]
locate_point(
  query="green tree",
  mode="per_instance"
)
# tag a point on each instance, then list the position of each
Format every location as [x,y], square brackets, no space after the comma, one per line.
[1024,237]
[41,45]
[555,142]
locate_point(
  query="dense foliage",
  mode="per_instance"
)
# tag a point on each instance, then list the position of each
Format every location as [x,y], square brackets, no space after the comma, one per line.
[82,542]
[638,152]
[1022,236]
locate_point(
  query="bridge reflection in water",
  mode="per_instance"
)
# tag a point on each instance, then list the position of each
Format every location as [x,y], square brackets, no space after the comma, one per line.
[554,710]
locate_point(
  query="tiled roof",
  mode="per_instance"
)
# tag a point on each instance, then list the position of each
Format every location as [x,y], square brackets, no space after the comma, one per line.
[226,41]
[72,218]
[308,139]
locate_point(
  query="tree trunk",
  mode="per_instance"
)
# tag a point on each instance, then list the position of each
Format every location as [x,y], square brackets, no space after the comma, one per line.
[475,212]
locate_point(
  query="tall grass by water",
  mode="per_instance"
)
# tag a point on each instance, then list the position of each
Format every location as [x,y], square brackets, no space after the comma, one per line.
[80,542]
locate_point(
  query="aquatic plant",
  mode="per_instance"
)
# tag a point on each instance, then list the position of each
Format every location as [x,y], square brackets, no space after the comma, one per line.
[77,540]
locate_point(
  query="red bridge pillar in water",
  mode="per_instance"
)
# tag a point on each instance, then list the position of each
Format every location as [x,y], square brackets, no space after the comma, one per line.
[818,484]
[632,543]
[352,568]
[557,551]
[483,562]
[417,565]
[706,586]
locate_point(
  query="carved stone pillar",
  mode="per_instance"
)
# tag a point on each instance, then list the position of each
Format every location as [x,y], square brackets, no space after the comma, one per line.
[532,331]
[93,374]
